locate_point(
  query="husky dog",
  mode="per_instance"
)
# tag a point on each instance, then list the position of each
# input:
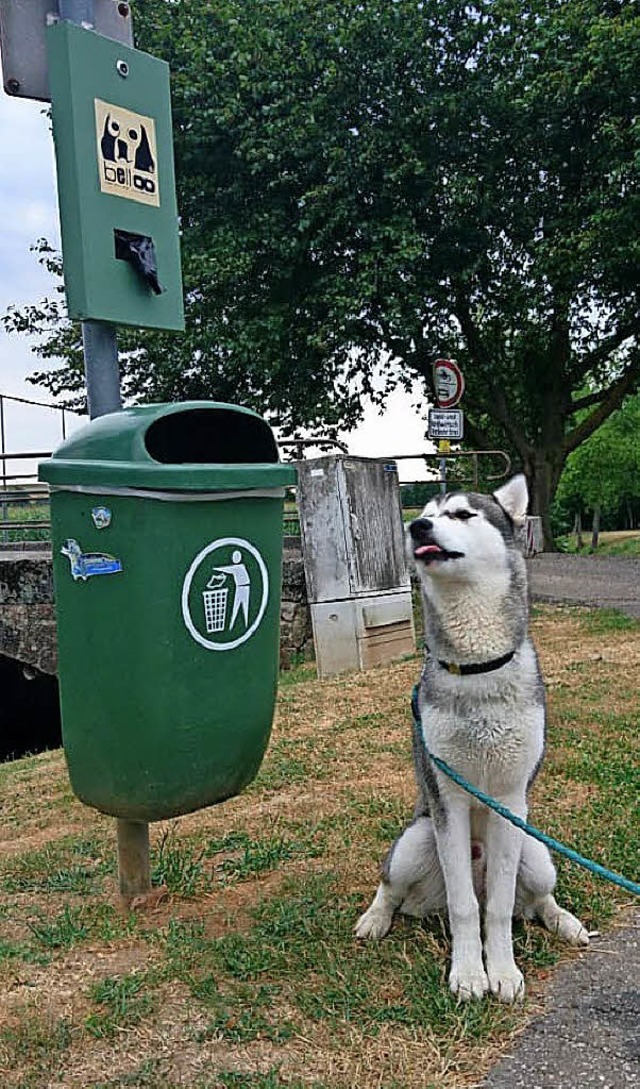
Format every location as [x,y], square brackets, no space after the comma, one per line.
[482,709]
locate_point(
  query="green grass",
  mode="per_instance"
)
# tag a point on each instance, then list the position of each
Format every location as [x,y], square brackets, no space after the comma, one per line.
[63,931]
[40,1041]
[610,544]
[270,1080]
[75,924]
[305,934]
[295,760]
[26,512]
[123,1002]
[179,866]
[298,673]
[602,621]
[146,1076]
[622,548]
[68,865]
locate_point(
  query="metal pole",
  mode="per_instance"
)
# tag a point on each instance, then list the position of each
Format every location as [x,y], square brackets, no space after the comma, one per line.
[99,342]
[5,534]
[444,446]
[103,395]
[101,368]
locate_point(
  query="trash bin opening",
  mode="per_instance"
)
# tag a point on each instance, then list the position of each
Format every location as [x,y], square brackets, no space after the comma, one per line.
[210,435]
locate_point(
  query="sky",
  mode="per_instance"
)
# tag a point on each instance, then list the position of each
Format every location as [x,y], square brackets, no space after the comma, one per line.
[28,209]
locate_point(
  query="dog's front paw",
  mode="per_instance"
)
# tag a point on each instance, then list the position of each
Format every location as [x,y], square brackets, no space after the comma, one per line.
[468,981]
[506,982]
[374,924]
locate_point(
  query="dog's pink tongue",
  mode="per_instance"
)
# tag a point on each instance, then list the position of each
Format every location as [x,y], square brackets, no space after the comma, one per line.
[424,550]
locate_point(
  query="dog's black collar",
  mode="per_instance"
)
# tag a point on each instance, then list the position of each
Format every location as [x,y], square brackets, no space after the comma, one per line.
[474,667]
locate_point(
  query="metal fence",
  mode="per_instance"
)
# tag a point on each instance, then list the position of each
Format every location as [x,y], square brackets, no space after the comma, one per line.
[24,501]
[459,468]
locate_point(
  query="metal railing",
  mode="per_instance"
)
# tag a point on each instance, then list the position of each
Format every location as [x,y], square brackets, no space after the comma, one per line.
[291,520]
[453,455]
[24,501]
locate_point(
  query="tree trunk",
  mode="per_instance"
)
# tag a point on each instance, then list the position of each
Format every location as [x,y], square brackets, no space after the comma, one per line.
[578,531]
[595,532]
[543,475]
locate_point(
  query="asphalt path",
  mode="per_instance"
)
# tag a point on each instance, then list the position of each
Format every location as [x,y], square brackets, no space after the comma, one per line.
[589,1036]
[611,582]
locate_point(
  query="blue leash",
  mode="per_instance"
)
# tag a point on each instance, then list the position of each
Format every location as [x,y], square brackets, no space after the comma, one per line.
[535,833]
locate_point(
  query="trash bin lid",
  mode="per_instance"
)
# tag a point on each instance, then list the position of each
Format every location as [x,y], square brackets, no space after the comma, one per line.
[187,446]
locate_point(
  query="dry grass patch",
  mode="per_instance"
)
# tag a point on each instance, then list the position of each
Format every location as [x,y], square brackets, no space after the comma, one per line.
[248,975]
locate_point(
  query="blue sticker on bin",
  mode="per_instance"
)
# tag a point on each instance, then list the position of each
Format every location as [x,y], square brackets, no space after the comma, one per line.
[86,564]
[101,517]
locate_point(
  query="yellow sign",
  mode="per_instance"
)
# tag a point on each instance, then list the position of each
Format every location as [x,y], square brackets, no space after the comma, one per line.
[127,153]
[444,446]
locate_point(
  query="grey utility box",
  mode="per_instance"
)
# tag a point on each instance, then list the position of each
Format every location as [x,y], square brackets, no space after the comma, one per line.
[353,549]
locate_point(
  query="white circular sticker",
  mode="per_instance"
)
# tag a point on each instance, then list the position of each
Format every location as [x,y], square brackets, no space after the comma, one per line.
[225,593]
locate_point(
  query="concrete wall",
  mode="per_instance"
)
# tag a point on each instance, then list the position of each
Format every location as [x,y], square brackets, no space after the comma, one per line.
[27,624]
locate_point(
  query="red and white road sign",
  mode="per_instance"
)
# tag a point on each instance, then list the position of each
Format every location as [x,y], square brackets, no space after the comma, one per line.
[448,382]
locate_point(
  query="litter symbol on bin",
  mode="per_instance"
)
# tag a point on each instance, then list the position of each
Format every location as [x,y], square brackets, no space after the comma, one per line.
[225,593]
[215,605]
[216,595]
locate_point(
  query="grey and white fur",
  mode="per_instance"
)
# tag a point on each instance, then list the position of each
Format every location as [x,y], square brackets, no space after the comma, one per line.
[456,855]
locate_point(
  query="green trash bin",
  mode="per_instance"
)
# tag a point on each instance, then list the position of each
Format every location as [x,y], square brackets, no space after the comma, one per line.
[167,548]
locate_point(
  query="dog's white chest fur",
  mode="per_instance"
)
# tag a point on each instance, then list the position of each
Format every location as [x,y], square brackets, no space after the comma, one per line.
[489,728]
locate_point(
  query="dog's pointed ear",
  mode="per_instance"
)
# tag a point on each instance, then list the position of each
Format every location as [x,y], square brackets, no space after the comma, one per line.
[513,497]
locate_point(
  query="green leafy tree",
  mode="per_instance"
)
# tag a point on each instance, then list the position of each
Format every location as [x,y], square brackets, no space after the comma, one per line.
[603,475]
[366,187]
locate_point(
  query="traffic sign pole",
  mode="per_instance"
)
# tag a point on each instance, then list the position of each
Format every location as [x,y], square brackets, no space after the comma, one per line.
[102,373]
[444,447]
[448,383]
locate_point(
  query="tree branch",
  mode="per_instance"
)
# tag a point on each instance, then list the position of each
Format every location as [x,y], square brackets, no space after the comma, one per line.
[588,400]
[613,398]
[603,351]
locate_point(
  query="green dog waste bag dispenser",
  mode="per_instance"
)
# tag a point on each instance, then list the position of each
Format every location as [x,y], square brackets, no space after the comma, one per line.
[167,546]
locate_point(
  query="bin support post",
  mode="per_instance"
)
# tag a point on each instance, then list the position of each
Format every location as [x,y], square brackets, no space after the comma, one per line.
[134,871]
